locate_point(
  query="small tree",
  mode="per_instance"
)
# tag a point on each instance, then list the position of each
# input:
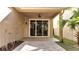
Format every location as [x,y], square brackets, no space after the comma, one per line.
[61,26]
[74,24]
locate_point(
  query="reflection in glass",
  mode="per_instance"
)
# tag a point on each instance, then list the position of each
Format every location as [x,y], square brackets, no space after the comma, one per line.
[39,28]
[45,28]
[32,28]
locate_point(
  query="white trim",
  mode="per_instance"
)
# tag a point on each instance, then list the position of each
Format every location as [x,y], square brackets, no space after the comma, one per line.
[48,27]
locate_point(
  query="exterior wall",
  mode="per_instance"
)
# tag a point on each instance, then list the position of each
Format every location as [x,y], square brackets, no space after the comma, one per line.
[56,31]
[11,28]
[55,25]
[26,28]
[67,32]
[26,31]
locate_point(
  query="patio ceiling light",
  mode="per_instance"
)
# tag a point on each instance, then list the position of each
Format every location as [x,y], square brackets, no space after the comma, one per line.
[39,15]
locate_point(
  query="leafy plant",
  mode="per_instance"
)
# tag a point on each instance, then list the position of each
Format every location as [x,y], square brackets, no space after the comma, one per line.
[61,26]
[62,23]
[73,23]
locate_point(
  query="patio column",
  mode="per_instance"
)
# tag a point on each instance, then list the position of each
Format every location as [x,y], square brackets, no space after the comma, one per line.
[51,27]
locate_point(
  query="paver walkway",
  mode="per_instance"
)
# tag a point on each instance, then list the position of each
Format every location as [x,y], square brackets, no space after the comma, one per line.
[47,45]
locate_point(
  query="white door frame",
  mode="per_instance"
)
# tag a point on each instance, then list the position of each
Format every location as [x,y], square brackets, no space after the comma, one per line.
[48,27]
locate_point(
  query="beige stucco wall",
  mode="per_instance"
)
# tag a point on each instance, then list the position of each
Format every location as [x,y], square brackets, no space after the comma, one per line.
[26,26]
[56,31]
[55,25]
[69,33]
[11,28]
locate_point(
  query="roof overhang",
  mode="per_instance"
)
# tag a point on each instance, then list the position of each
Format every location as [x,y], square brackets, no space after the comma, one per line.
[38,9]
[46,12]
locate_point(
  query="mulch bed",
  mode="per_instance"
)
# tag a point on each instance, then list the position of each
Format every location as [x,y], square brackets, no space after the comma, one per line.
[10,46]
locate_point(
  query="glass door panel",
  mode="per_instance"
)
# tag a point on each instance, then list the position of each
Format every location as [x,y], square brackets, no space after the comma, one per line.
[32,28]
[45,28]
[39,28]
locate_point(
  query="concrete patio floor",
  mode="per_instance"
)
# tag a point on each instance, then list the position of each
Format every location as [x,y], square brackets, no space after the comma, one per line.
[45,45]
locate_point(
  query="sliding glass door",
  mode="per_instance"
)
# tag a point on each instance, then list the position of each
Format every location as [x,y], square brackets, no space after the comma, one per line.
[38,28]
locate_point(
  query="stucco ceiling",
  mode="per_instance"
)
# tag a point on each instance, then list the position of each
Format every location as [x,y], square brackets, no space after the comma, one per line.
[45,12]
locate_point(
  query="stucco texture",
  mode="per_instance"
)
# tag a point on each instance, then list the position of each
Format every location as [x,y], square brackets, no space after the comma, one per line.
[11,28]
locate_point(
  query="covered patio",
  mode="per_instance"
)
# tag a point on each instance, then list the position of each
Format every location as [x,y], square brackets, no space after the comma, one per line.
[34,26]
[42,44]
